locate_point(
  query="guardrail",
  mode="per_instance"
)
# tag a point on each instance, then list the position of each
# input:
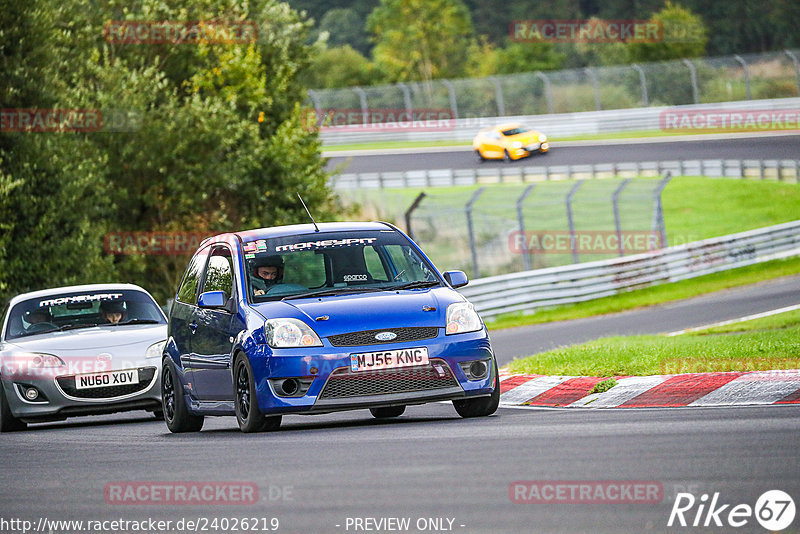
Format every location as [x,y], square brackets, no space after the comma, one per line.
[782,170]
[526,291]
[554,125]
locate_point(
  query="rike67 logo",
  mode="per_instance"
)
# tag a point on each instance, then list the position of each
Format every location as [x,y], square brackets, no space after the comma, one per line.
[774,510]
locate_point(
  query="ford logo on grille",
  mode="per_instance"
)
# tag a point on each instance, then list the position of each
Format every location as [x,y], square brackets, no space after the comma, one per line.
[385,336]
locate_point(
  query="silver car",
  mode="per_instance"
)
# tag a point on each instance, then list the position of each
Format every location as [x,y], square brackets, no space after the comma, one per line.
[80,350]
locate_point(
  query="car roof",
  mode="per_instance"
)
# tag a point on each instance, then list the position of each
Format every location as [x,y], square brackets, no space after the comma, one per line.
[507,126]
[68,289]
[301,229]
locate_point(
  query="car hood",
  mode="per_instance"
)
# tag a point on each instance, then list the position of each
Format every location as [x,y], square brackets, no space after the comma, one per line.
[92,339]
[367,311]
[526,137]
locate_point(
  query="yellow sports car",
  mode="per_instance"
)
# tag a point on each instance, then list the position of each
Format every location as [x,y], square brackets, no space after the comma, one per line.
[509,142]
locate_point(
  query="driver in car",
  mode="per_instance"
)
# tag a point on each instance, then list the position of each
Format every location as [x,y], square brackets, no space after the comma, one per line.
[112,311]
[38,316]
[267,272]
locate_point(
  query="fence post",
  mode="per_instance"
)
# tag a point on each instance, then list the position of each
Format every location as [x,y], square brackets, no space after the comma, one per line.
[548,94]
[693,76]
[498,95]
[573,240]
[317,107]
[593,77]
[362,96]
[658,210]
[526,258]
[796,68]
[746,70]
[452,92]
[643,81]
[471,231]
[406,97]
[617,221]
[409,211]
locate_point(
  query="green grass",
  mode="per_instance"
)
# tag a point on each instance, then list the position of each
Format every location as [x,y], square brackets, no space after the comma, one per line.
[767,344]
[654,295]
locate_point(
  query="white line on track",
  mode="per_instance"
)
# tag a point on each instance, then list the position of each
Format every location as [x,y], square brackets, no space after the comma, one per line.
[739,320]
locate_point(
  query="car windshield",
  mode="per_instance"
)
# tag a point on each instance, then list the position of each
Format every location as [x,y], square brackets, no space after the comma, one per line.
[516,131]
[81,309]
[334,263]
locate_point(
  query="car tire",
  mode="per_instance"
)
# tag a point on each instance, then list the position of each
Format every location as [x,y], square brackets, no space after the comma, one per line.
[482,406]
[387,412]
[479,157]
[507,157]
[8,423]
[248,415]
[173,403]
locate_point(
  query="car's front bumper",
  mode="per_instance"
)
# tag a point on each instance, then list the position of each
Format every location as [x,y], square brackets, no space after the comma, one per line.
[335,387]
[57,400]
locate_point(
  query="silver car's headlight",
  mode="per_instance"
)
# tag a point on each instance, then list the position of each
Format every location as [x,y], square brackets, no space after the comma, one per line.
[156,350]
[462,317]
[283,333]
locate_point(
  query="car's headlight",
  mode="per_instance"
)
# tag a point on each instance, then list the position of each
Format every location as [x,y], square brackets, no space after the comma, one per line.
[283,333]
[542,138]
[462,317]
[38,360]
[516,144]
[156,350]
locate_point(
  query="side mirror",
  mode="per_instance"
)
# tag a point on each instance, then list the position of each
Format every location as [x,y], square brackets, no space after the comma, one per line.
[456,278]
[212,299]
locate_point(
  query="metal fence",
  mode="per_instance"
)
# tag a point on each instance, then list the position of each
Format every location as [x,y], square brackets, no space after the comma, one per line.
[781,170]
[559,125]
[529,290]
[499,229]
[670,83]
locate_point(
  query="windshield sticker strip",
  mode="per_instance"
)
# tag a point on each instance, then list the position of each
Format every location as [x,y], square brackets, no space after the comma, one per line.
[79,298]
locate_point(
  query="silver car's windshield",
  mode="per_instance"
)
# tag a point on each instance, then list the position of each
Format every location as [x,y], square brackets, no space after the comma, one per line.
[334,262]
[81,309]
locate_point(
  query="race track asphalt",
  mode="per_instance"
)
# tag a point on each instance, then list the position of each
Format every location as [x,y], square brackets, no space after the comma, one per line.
[760,147]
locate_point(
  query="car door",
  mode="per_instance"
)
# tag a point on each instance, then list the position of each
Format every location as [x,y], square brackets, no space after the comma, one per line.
[182,311]
[215,330]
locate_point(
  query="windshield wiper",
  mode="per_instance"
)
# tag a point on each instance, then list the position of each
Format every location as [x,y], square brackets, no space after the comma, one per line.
[76,326]
[418,284]
[331,291]
[141,321]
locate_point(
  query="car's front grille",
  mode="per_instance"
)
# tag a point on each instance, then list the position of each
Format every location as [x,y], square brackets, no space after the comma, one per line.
[67,385]
[367,337]
[344,384]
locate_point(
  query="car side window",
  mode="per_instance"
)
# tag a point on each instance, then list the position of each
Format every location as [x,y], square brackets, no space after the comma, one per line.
[374,265]
[187,292]
[219,272]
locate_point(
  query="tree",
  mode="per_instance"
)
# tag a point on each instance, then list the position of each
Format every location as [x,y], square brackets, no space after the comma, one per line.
[421,39]
[340,67]
[345,27]
[685,35]
[218,143]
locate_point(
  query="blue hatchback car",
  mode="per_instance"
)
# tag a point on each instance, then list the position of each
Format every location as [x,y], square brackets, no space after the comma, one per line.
[310,319]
